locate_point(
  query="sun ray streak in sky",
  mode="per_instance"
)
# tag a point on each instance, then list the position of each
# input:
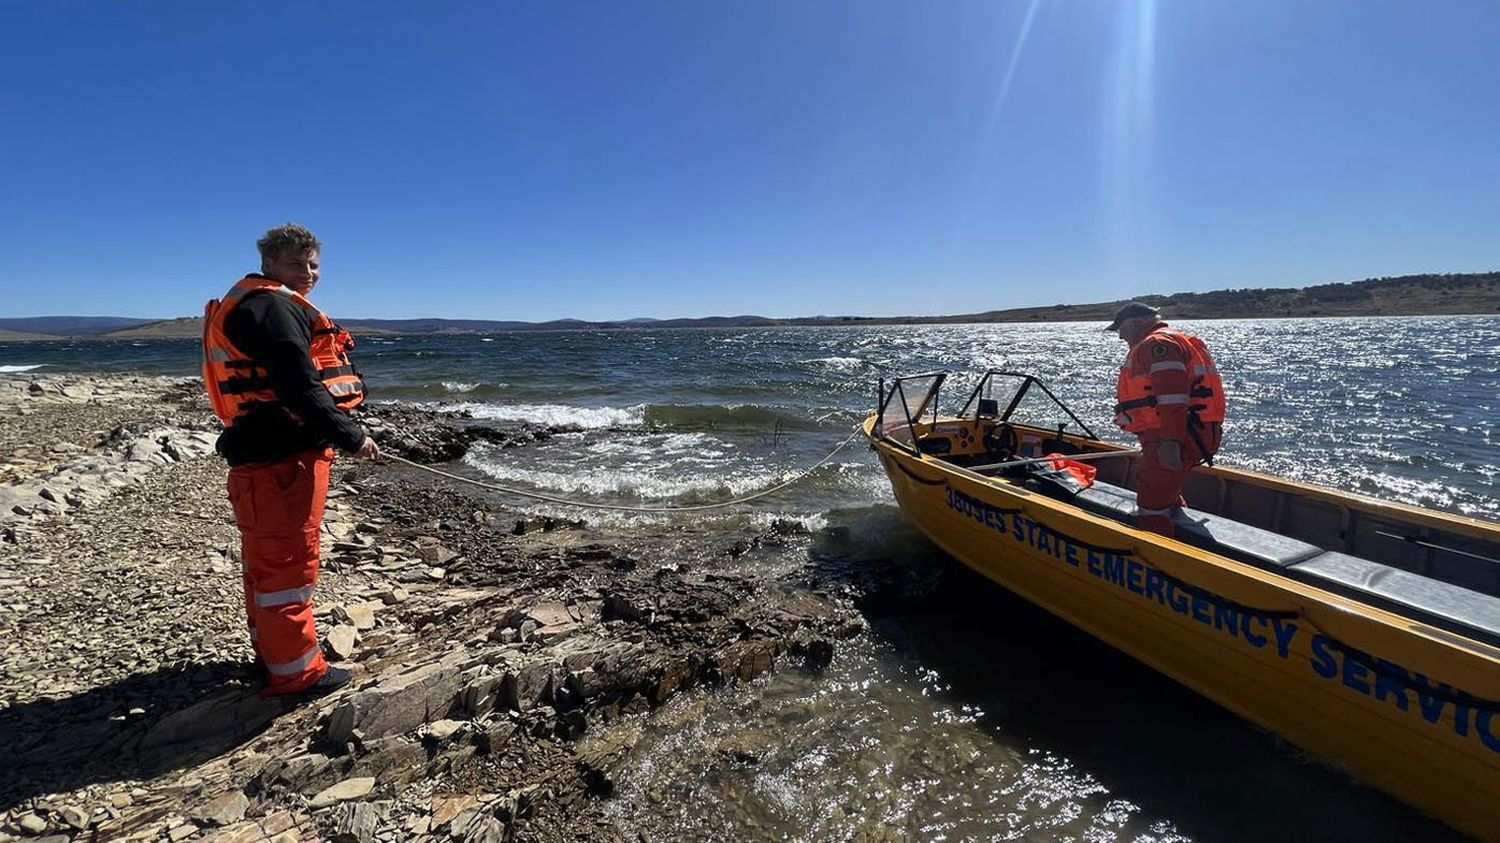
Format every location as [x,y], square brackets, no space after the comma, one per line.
[1130,122]
[960,225]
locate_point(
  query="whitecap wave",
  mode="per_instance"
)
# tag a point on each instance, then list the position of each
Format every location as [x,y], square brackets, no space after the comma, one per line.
[559,415]
[838,364]
[8,370]
[598,482]
[467,386]
[658,445]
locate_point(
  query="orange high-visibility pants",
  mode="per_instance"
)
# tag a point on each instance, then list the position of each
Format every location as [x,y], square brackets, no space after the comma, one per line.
[1158,489]
[279,509]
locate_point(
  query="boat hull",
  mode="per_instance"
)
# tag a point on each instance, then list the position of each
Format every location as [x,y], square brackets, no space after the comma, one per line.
[1392,701]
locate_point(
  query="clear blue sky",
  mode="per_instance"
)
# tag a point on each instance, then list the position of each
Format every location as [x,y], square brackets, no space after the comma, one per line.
[607,160]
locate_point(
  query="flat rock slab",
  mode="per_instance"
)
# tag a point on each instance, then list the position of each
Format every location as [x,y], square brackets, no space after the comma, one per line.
[398,703]
[356,788]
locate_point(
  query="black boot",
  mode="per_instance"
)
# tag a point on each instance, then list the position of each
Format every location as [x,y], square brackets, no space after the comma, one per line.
[334,679]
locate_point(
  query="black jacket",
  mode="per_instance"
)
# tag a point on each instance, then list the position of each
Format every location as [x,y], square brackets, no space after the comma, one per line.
[277,335]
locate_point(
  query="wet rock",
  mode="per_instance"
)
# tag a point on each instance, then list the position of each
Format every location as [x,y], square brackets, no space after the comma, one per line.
[747,746]
[31,824]
[744,660]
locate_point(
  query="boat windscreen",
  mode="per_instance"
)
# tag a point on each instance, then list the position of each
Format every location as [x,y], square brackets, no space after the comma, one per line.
[1021,399]
[903,405]
[1038,409]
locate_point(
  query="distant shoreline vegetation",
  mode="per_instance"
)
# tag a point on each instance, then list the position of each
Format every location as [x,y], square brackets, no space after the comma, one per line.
[1406,295]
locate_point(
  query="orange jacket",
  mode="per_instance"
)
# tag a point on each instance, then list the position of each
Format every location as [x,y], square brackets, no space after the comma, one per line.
[1168,378]
[236,384]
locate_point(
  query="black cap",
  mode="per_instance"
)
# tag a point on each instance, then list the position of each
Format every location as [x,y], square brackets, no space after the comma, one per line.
[1131,310]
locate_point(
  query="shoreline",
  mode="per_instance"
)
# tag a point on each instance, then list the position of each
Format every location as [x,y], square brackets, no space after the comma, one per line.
[195,334]
[504,665]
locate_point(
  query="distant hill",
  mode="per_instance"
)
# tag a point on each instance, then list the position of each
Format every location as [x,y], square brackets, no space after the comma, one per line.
[185,327]
[18,336]
[69,326]
[1407,295]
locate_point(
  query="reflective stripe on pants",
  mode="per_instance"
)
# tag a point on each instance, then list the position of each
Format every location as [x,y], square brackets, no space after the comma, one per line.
[279,509]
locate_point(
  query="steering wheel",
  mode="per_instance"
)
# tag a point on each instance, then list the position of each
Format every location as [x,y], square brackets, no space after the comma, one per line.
[1001,440]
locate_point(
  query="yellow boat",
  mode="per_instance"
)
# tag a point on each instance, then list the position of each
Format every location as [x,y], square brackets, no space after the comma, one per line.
[1365,632]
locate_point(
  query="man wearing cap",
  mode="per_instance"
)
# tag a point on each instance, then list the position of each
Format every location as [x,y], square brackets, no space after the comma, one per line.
[1170,396]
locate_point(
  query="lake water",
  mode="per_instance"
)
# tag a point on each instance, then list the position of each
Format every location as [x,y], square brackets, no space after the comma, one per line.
[962,713]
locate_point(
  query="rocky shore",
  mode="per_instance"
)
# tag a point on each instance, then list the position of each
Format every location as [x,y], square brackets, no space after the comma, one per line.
[504,665]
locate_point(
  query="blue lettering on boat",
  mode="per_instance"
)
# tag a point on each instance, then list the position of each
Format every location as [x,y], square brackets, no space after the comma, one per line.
[1377,679]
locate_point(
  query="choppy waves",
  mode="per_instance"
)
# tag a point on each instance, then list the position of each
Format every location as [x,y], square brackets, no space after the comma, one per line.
[734,418]
[10,370]
[666,482]
[558,415]
[444,390]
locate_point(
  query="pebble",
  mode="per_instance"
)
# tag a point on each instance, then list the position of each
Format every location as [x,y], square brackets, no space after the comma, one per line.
[341,641]
[442,730]
[76,817]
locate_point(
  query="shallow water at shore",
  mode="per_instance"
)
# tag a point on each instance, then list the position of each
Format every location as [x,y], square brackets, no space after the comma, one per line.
[963,713]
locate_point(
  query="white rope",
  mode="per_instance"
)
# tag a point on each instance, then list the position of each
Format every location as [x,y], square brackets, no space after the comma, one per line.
[618,507]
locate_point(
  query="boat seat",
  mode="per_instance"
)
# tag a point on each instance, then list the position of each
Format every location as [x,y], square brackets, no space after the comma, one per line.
[1439,603]
[1211,532]
[1442,604]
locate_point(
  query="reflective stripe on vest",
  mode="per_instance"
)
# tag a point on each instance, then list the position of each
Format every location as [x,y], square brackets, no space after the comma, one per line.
[1135,410]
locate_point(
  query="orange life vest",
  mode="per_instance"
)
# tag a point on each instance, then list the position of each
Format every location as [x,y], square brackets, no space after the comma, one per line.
[236,384]
[1136,408]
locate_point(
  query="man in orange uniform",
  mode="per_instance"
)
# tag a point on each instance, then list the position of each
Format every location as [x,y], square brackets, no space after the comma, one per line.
[1170,396]
[278,375]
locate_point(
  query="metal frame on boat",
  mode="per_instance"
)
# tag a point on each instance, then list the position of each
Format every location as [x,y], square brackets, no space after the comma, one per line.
[1364,631]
